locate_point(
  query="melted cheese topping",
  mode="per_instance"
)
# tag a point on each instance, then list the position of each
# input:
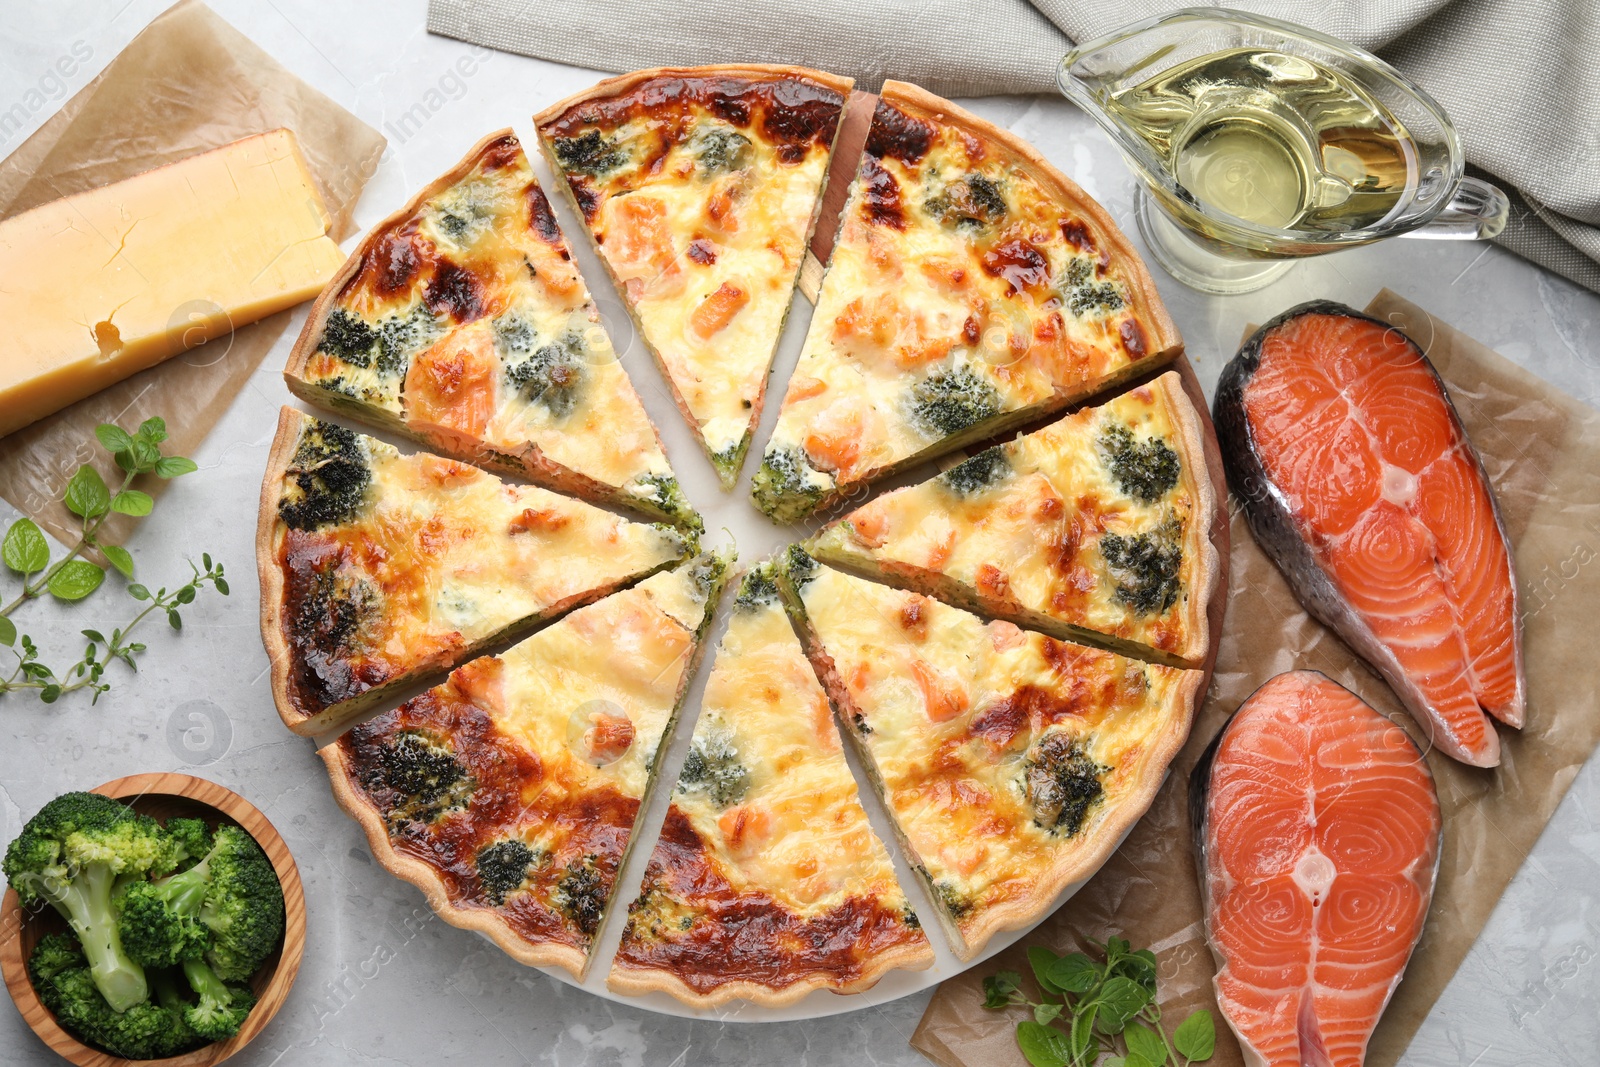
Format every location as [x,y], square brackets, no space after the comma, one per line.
[553,746]
[961,297]
[798,833]
[702,220]
[565,693]
[954,713]
[1021,530]
[442,557]
[469,326]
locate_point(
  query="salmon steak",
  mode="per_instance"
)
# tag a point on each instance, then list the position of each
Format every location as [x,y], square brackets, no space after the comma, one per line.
[1358,479]
[1318,828]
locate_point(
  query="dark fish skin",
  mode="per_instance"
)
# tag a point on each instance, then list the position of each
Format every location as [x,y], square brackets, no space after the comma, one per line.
[1271,519]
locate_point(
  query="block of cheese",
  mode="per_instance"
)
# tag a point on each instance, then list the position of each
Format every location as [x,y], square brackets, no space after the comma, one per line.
[102,284]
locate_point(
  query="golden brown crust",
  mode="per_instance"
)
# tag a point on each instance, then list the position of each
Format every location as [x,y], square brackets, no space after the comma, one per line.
[633,980]
[1108,833]
[426,878]
[1162,341]
[622,84]
[1198,546]
[268,570]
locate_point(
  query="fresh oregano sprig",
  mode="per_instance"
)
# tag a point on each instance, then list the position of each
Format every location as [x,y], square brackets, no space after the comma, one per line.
[25,551]
[101,650]
[1105,1009]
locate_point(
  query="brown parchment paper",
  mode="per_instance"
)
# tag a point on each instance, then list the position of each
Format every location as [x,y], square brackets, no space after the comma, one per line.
[1542,451]
[189,82]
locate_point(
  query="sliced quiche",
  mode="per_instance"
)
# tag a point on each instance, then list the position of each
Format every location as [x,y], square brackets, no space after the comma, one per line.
[508,793]
[1011,762]
[1095,529]
[973,288]
[700,187]
[461,321]
[378,569]
[767,882]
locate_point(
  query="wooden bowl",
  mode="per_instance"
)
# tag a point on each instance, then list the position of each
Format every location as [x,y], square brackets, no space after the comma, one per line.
[163,796]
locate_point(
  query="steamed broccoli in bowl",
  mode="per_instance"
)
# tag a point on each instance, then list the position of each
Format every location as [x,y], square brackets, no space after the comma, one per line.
[168,923]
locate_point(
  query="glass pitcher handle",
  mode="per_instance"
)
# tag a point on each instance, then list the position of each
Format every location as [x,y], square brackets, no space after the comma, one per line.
[1477,212]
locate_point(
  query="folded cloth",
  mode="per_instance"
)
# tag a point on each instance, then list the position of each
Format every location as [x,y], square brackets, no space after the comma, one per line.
[1517,76]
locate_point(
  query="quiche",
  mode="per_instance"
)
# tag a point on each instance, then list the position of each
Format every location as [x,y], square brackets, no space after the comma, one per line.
[700,187]
[767,882]
[461,321]
[1012,763]
[1095,529]
[973,288]
[378,569]
[508,793]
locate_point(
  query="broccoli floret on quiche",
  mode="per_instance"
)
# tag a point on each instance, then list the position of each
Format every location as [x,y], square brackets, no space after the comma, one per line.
[1061,782]
[503,868]
[713,768]
[718,149]
[782,488]
[581,895]
[1145,470]
[419,777]
[1145,566]
[973,201]
[551,375]
[977,473]
[348,337]
[330,474]
[950,401]
[589,153]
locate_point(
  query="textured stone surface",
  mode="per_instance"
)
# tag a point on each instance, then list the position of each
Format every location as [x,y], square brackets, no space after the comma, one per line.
[384,982]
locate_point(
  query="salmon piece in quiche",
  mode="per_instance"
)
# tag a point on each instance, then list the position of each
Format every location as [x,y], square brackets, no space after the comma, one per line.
[767,882]
[461,322]
[508,794]
[1012,763]
[973,288]
[700,187]
[1095,529]
[379,569]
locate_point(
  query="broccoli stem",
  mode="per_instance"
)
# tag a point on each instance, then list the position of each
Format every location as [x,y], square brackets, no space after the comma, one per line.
[206,985]
[85,902]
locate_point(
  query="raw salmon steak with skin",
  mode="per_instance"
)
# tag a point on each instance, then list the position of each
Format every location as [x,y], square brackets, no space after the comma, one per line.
[1359,480]
[1319,830]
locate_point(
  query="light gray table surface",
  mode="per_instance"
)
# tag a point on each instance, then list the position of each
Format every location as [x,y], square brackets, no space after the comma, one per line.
[384,982]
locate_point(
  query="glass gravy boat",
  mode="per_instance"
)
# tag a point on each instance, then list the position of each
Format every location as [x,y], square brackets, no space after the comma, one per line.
[1259,142]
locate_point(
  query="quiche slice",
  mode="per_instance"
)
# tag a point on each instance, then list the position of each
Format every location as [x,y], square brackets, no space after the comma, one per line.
[767,882]
[973,288]
[1012,763]
[461,321]
[508,793]
[1094,529]
[379,569]
[700,187]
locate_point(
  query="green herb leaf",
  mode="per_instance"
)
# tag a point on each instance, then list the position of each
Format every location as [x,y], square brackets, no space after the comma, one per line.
[1196,1036]
[1042,959]
[1135,1060]
[138,592]
[132,502]
[1043,1046]
[1048,1012]
[25,550]
[75,580]
[1140,967]
[174,619]
[1083,1032]
[222,586]
[119,558]
[114,438]
[997,988]
[8,632]
[153,429]
[1145,1043]
[173,466]
[87,495]
[1075,972]
[50,693]
[1120,999]
[1113,1061]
